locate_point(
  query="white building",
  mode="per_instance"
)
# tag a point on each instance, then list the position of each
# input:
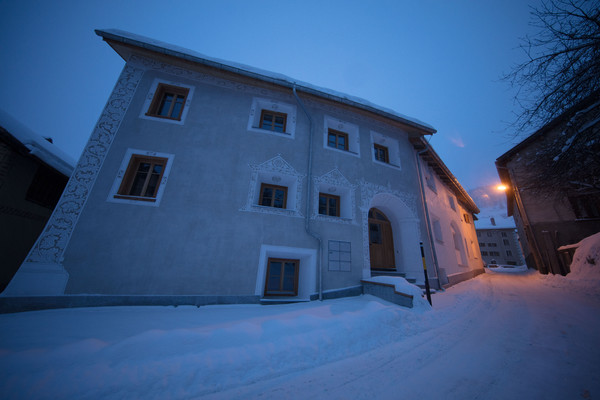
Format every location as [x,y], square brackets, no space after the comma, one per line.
[216,182]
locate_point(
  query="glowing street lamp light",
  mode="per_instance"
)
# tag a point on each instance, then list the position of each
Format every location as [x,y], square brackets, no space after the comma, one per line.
[501,187]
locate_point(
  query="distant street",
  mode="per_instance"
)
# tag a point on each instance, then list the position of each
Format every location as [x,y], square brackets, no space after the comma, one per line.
[495,337]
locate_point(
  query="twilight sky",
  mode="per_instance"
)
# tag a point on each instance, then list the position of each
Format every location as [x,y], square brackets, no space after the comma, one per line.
[439,61]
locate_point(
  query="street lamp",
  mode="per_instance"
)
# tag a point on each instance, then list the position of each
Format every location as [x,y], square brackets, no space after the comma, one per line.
[501,187]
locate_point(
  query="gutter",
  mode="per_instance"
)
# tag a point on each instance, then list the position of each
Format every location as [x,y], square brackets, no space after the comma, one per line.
[111,36]
[429,232]
[309,188]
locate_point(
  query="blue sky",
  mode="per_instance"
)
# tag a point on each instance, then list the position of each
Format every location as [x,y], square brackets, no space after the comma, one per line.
[437,61]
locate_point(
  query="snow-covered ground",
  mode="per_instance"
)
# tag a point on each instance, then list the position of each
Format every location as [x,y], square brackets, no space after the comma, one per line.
[498,336]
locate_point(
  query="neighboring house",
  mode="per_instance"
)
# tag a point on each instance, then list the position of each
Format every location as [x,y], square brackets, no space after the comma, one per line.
[451,214]
[553,178]
[208,178]
[33,174]
[499,241]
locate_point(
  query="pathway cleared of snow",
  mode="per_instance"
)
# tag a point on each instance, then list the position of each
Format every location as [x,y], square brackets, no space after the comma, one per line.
[494,337]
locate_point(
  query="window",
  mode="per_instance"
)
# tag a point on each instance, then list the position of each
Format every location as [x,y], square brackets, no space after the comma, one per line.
[329,204]
[467,218]
[342,136]
[481,244]
[437,230]
[492,245]
[504,234]
[586,206]
[508,253]
[273,196]
[142,178]
[333,198]
[337,140]
[506,242]
[282,277]
[489,234]
[339,256]
[484,253]
[273,121]
[495,253]
[46,187]
[478,234]
[272,117]
[381,153]
[451,202]
[168,102]
[386,149]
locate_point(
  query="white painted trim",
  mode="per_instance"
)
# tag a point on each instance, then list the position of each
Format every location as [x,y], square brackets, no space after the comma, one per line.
[350,129]
[307,269]
[393,146]
[259,104]
[150,97]
[121,173]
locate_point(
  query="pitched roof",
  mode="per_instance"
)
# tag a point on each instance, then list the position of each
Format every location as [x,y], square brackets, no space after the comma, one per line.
[36,145]
[116,36]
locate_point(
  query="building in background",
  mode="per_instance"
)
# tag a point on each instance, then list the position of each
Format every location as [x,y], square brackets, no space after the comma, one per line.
[33,174]
[553,180]
[451,214]
[498,240]
[211,179]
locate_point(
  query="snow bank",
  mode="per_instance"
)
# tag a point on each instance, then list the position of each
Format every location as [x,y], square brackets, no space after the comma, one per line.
[184,352]
[586,261]
[403,286]
[506,269]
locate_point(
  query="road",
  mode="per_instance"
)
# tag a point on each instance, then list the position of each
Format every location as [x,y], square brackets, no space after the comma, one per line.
[494,337]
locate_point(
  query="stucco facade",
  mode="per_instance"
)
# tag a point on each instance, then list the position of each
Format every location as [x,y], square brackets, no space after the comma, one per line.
[206,230]
[451,215]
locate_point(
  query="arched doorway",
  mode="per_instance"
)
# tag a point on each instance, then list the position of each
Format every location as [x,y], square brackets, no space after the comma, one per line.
[381,241]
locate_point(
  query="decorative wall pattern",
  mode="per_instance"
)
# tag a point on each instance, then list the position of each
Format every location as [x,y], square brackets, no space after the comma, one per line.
[334,179]
[368,191]
[53,241]
[275,170]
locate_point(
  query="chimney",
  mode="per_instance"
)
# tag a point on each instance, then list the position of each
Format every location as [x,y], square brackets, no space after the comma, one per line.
[493,221]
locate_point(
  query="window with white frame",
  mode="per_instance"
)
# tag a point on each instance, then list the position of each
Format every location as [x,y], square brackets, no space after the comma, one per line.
[275,188]
[385,150]
[437,230]
[341,136]
[141,178]
[451,202]
[334,197]
[273,117]
[167,101]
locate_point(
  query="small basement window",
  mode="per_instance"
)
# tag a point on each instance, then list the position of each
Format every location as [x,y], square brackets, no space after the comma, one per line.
[282,277]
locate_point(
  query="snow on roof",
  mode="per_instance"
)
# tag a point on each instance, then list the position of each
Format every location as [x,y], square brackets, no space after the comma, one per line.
[37,145]
[257,73]
[500,219]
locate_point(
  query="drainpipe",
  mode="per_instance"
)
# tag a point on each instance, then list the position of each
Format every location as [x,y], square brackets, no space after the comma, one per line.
[309,190]
[429,232]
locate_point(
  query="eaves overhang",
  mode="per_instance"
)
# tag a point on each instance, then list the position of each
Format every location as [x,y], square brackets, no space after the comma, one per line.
[114,37]
[429,155]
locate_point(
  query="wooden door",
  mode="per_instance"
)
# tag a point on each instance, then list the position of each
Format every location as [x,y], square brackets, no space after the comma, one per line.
[381,241]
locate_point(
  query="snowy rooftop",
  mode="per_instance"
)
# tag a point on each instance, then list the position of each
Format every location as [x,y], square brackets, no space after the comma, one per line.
[37,145]
[144,42]
[494,218]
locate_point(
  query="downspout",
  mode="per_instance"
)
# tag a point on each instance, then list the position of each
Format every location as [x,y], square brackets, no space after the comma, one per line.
[429,232]
[309,196]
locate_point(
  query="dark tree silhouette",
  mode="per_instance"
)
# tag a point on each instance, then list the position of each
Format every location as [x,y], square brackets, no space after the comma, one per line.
[563,62]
